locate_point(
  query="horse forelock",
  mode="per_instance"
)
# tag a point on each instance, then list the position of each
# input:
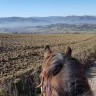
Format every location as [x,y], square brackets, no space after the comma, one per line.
[56,64]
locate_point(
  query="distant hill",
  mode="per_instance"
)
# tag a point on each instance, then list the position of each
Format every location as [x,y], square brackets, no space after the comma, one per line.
[19,19]
[52,28]
[35,21]
[69,19]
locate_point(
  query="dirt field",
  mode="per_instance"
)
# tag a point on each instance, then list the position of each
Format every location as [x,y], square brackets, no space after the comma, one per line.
[20,53]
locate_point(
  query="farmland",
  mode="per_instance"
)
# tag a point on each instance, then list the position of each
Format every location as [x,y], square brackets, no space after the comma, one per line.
[23,53]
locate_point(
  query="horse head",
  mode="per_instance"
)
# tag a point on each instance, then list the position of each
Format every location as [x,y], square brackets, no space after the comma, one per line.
[63,75]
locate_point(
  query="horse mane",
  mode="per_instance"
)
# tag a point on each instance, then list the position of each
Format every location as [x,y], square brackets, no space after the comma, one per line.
[75,82]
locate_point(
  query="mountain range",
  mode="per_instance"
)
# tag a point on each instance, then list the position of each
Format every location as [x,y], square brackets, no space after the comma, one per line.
[35,21]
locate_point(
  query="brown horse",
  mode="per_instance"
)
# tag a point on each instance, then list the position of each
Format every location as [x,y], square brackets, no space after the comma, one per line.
[62,75]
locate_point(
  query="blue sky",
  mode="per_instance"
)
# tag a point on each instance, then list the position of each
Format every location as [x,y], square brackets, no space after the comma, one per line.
[42,8]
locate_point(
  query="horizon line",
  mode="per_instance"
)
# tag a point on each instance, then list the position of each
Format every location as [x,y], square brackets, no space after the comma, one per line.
[45,16]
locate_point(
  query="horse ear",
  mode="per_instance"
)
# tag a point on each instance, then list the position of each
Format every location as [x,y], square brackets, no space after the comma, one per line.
[47,51]
[68,51]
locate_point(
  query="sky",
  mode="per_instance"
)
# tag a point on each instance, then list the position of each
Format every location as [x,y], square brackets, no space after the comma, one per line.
[44,8]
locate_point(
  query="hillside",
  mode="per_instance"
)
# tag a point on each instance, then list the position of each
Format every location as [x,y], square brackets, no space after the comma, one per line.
[52,28]
[63,28]
[35,21]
